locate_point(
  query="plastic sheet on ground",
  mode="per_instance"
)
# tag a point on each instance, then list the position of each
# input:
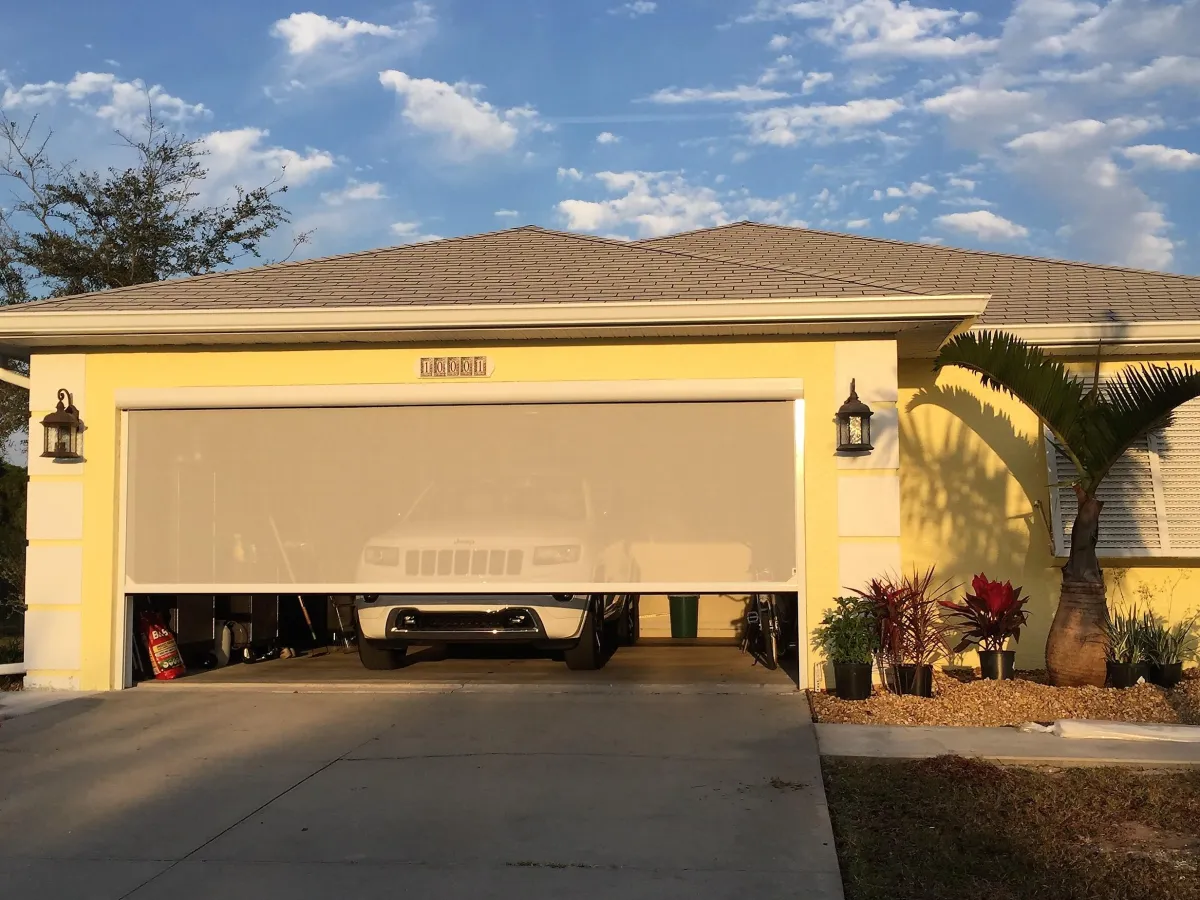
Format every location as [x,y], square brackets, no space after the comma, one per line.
[1115,731]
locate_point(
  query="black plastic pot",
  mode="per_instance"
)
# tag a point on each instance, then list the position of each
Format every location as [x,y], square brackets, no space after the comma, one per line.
[1125,675]
[1166,675]
[997,664]
[852,681]
[915,680]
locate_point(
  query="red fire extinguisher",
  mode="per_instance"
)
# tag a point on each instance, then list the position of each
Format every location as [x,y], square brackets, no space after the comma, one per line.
[164,652]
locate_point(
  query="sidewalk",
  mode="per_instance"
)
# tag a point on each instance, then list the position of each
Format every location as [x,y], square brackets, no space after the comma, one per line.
[1005,745]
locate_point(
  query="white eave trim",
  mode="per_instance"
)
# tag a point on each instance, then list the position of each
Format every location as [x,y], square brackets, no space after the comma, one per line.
[1143,335]
[52,328]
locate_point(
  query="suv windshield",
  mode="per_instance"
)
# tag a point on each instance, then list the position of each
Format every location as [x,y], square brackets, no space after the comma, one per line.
[532,496]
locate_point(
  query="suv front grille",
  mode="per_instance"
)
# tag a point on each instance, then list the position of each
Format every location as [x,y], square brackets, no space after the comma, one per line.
[463,562]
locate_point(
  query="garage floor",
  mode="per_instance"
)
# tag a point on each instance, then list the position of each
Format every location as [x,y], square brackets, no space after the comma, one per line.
[246,795]
[650,663]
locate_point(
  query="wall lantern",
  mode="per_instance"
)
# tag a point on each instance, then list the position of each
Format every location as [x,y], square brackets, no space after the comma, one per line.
[64,430]
[854,424]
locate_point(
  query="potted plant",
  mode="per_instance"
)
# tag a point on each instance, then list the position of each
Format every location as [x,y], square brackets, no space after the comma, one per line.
[911,632]
[1125,648]
[1166,647]
[848,637]
[988,616]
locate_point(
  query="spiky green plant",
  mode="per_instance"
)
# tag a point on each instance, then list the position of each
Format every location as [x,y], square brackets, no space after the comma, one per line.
[1165,644]
[1093,427]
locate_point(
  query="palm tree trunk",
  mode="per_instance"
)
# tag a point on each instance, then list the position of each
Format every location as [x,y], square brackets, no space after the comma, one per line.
[1075,647]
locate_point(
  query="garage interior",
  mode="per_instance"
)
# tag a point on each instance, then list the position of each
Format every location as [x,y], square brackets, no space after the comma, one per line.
[268,642]
[250,530]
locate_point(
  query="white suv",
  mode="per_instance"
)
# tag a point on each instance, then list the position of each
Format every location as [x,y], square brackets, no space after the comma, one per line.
[481,532]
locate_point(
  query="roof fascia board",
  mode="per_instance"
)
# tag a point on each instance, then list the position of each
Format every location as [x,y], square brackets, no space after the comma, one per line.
[49,328]
[1149,337]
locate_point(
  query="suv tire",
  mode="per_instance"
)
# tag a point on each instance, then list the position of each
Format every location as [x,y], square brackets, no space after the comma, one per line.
[588,654]
[629,625]
[375,656]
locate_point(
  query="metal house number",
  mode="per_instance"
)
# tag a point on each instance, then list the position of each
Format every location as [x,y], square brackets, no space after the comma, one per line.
[455,367]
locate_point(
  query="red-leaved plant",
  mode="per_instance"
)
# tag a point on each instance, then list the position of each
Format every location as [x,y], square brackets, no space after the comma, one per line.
[906,608]
[988,616]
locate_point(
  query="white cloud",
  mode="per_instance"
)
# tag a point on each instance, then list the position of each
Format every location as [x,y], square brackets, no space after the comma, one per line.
[1164,72]
[785,126]
[410,233]
[569,174]
[241,154]
[506,214]
[972,103]
[983,224]
[1157,156]
[122,104]
[778,42]
[307,33]
[962,184]
[813,80]
[1081,133]
[454,113]
[915,190]
[857,223]
[882,28]
[607,137]
[634,9]
[743,93]
[355,191]
[900,212]
[649,204]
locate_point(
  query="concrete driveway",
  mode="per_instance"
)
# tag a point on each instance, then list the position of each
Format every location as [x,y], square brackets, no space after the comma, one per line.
[490,794]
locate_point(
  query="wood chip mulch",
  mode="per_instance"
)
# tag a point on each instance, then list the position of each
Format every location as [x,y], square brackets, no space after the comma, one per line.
[1027,698]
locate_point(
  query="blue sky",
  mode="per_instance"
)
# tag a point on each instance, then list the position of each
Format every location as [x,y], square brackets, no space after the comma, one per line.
[1051,127]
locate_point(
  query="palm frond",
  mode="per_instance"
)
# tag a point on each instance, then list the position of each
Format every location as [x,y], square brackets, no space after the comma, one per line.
[1094,426]
[1139,400]
[1007,363]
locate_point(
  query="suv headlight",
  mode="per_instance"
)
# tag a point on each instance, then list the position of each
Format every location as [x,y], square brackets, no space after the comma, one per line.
[556,556]
[382,556]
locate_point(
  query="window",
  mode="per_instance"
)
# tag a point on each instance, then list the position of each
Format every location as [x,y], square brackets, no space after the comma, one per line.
[1151,496]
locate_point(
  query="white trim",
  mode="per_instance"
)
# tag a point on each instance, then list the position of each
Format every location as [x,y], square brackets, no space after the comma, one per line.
[33,327]
[801,574]
[472,392]
[434,587]
[12,668]
[1087,334]
[123,624]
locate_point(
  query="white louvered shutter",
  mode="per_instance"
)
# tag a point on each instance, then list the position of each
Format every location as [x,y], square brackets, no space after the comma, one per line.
[1179,463]
[1151,496]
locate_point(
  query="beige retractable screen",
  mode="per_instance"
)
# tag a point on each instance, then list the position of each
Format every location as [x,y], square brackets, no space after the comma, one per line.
[563,496]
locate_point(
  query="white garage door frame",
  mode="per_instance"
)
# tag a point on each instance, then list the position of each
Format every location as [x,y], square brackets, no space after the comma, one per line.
[458,393]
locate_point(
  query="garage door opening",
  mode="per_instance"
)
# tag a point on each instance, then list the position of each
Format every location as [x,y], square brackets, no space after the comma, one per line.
[520,522]
[282,640]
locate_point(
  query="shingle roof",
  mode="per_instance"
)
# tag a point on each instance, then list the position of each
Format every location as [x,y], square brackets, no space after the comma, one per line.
[1025,290]
[519,265]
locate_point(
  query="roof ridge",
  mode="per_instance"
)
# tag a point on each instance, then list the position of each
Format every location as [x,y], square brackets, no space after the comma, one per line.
[712,257]
[285,264]
[989,253]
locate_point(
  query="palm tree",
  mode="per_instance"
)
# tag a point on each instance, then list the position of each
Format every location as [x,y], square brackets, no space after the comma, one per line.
[1093,427]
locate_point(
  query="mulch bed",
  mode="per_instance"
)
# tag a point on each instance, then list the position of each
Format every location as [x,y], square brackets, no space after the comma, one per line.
[1027,698]
[953,828]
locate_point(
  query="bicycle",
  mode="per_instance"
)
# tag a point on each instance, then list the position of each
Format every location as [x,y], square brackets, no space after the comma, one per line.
[760,637]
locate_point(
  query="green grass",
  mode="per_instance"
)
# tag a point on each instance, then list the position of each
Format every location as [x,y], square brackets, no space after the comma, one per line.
[951,828]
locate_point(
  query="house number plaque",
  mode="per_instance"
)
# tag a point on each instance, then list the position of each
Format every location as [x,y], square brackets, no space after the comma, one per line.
[455,367]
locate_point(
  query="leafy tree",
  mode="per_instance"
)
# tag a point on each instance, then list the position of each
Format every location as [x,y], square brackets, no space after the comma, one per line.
[12,542]
[70,231]
[1093,426]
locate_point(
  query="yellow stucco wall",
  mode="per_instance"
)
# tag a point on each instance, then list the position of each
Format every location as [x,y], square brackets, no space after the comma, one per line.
[106,372]
[972,468]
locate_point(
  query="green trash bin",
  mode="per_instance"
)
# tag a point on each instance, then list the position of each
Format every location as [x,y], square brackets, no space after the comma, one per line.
[685,613]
